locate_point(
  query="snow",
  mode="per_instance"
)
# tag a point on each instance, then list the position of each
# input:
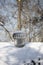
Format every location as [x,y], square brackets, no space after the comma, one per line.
[11,55]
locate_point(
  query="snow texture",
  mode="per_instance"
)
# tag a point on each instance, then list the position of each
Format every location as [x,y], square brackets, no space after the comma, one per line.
[11,55]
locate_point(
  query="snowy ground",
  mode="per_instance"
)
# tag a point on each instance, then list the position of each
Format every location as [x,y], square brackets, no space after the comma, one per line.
[11,55]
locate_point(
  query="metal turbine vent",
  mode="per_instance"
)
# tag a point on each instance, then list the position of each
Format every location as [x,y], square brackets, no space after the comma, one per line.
[19,38]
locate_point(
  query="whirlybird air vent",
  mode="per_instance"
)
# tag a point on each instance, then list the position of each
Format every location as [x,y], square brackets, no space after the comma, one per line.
[19,38]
